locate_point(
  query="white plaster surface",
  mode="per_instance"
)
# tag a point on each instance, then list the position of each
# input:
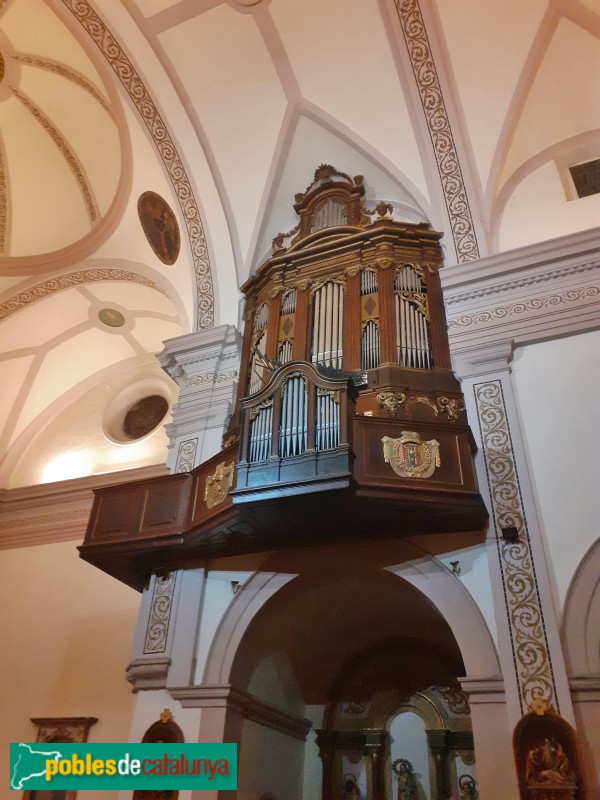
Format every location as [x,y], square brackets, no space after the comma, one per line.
[556,386]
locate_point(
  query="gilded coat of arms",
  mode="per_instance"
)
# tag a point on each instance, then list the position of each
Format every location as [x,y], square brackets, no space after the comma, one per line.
[218,485]
[410,456]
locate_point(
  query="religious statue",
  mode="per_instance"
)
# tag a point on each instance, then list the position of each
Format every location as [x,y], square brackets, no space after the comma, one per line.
[407,784]
[351,788]
[468,788]
[548,772]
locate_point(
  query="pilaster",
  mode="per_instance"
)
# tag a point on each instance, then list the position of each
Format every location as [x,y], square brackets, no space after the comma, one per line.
[205,365]
[168,621]
[493,305]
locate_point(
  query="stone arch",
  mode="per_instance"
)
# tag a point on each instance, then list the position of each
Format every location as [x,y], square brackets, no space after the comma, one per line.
[580,628]
[425,573]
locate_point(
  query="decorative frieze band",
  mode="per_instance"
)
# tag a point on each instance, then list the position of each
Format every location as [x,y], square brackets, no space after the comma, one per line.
[160,613]
[65,72]
[436,115]
[186,455]
[45,288]
[143,102]
[531,654]
[68,154]
[536,304]
[210,377]
[3,204]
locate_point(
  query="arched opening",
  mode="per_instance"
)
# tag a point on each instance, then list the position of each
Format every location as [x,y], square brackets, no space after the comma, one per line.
[370,662]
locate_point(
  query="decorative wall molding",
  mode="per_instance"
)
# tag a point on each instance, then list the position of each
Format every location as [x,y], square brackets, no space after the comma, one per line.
[537,303]
[148,672]
[539,292]
[143,102]
[528,280]
[65,72]
[3,203]
[484,690]
[442,140]
[210,377]
[527,262]
[56,512]
[527,630]
[161,605]
[246,704]
[205,365]
[75,165]
[585,688]
[52,285]
[186,455]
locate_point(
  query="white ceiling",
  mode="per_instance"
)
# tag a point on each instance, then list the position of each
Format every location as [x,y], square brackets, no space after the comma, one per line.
[225,108]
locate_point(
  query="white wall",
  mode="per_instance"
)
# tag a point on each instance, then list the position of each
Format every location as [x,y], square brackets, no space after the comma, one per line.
[66,634]
[556,386]
[269,763]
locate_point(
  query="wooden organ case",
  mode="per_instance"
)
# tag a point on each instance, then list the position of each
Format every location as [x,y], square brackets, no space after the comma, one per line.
[348,421]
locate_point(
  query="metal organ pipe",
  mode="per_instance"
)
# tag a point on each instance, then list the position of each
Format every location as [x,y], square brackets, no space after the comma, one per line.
[412,336]
[328,313]
[328,426]
[260,433]
[293,426]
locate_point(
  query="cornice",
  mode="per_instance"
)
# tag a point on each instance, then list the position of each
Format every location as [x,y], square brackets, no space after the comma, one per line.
[249,706]
[57,512]
[540,292]
[483,690]
[573,249]
[530,279]
[585,688]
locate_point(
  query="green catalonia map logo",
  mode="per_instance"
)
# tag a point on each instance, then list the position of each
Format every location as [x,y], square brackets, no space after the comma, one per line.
[123,766]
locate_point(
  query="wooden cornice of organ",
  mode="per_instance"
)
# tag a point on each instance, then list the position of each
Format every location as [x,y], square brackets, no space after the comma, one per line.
[347,409]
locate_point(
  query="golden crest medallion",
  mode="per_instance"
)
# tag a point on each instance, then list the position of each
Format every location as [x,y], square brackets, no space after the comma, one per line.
[218,485]
[410,456]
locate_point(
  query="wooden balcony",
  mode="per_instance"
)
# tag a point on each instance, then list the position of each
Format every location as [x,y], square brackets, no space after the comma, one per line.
[310,466]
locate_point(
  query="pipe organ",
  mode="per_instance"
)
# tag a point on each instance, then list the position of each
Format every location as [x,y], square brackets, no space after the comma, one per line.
[348,416]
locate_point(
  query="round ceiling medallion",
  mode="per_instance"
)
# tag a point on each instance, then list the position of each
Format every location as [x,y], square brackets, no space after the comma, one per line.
[144,416]
[160,226]
[111,317]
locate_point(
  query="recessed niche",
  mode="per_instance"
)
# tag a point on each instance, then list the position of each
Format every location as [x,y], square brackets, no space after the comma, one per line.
[160,226]
[586,178]
[144,416]
[136,411]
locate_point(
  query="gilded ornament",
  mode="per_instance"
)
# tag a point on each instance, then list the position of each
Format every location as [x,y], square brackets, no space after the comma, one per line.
[452,407]
[390,401]
[218,485]
[426,401]
[410,456]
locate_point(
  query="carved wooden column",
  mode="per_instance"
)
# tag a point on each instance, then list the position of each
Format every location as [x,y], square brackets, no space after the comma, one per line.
[438,745]
[375,748]
[273,326]
[301,349]
[325,740]
[387,311]
[440,350]
[352,326]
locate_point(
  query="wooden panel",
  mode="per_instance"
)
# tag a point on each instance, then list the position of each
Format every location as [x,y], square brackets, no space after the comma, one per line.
[166,506]
[115,514]
[455,470]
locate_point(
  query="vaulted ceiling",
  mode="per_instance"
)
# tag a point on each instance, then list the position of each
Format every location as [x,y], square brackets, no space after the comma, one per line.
[466,115]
